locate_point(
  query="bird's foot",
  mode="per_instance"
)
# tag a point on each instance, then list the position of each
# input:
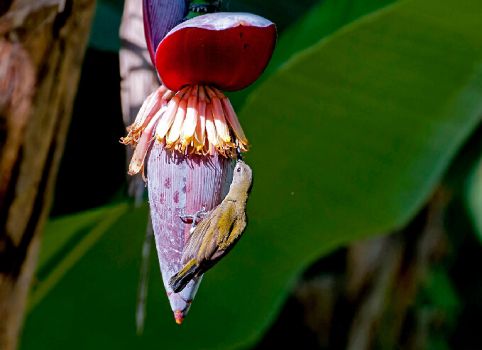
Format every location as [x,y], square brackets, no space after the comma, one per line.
[239,155]
[195,218]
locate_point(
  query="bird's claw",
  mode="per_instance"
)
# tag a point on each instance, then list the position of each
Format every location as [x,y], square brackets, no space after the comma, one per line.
[239,155]
[187,219]
[195,218]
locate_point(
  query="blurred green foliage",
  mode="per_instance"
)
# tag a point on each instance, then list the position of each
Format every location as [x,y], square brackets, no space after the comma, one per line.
[474,197]
[104,33]
[352,128]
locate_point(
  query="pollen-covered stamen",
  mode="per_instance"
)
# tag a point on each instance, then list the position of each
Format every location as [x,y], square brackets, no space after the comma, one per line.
[149,106]
[199,136]
[189,126]
[168,117]
[233,121]
[147,112]
[137,161]
[168,95]
[218,114]
[212,136]
[175,130]
[195,120]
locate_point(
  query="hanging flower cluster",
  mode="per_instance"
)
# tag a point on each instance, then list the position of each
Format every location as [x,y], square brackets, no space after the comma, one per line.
[197,119]
[187,131]
[195,61]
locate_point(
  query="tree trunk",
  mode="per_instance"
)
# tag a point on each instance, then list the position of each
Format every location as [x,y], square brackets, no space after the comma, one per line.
[42,44]
[138,78]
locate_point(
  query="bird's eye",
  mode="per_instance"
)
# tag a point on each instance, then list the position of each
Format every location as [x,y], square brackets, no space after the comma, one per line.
[238,170]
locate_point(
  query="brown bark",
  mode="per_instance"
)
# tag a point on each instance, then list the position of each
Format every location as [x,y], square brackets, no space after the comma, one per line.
[42,44]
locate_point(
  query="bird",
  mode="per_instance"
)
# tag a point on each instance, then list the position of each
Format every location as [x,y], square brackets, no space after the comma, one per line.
[218,231]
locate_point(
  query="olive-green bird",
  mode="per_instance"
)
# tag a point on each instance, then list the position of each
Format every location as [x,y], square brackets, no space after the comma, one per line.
[218,231]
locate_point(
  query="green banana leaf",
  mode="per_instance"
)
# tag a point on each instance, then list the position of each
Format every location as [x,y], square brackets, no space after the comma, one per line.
[104,34]
[320,21]
[473,198]
[349,137]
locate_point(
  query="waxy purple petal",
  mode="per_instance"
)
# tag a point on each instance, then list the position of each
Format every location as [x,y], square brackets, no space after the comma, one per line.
[160,16]
[180,185]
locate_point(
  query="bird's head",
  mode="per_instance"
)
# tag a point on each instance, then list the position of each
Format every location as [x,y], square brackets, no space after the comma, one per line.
[243,175]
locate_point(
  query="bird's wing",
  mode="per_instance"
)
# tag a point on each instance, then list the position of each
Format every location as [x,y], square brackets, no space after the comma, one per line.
[196,238]
[235,232]
[203,242]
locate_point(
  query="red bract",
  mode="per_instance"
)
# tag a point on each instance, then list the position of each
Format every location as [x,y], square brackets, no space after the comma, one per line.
[225,50]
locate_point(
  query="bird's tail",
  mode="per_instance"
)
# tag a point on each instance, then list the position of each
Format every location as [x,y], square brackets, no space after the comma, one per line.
[182,278]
